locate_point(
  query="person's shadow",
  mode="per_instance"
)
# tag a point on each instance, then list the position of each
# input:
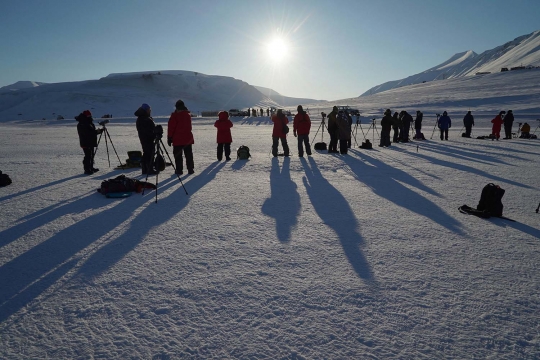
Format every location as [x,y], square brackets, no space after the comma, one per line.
[386,181]
[151,217]
[284,202]
[334,211]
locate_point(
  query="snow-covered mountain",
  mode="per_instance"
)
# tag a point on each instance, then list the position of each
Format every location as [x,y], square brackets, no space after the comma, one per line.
[21,85]
[284,100]
[522,51]
[121,94]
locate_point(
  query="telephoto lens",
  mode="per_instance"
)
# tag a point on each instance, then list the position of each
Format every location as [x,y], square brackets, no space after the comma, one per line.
[102,123]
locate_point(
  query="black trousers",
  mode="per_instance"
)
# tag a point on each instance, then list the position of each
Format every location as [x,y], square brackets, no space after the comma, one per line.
[220,148]
[275,142]
[468,130]
[178,152]
[444,134]
[332,147]
[508,130]
[148,149]
[88,161]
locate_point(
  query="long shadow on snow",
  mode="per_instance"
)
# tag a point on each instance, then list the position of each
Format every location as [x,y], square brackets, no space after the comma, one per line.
[468,155]
[483,151]
[334,210]
[387,184]
[518,226]
[47,215]
[8,197]
[28,275]
[152,216]
[284,202]
[468,169]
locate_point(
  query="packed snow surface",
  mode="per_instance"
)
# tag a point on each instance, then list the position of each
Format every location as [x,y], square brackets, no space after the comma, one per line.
[354,256]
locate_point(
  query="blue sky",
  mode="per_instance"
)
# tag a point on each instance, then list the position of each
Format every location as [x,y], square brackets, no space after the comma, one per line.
[330,49]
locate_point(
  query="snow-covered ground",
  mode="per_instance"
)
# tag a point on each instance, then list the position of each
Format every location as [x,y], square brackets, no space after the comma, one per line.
[329,256]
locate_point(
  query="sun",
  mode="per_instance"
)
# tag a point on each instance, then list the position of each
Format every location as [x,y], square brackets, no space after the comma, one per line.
[278,50]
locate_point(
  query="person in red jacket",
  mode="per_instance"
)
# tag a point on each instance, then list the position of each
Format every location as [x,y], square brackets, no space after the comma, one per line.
[279,120]
[301,127]
[497,124]
[224,137]
[179,135]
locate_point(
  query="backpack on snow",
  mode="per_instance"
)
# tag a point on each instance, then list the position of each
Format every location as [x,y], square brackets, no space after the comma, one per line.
[123,184]
[243,153]
[4,179]
[367,145]
[320,146]
[491,200]
[490,203]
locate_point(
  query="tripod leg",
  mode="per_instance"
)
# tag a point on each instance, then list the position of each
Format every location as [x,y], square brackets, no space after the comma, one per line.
[433,133]
[109,135]
[107,147]
[172,163]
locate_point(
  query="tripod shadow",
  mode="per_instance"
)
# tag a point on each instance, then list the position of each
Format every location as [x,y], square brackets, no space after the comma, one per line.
[534,232]
[284,202]
[151,217]
[388,184]
[40,187]
[334,211]
[28,275]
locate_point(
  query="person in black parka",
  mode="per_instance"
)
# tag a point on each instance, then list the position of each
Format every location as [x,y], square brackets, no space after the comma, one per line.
[468,122]
[145,129]
[88,139]
[508,122]
[418,124]
[407,119]
[386,125]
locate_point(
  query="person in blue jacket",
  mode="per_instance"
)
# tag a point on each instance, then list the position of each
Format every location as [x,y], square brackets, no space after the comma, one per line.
[444,124]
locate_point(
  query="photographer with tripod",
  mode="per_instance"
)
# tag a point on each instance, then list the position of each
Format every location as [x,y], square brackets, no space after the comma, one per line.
[180,137]
[145,128]
[88,139]
[386,125]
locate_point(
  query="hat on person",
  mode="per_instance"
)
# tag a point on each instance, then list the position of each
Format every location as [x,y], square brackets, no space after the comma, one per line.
[180,105]
[388,112]
[300,108]
[145,106]
[87,113]
[445,113]
[223,115]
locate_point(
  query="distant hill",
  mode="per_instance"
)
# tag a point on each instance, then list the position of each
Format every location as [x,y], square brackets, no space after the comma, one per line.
[522,51]
[121,94]
[20,85]
[285,100]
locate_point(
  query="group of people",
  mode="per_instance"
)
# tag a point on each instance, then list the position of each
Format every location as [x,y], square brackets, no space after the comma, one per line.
[503,119]
[401,124]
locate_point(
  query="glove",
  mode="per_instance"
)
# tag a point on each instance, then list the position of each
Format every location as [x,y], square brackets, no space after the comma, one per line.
[169,141]
[99,131]
[294,133]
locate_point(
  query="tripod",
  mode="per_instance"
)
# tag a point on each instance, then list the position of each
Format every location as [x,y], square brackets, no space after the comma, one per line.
[372,126]
[354,132]
[323,125]
[158,144]
[535,131]
[107,135]
[436,123]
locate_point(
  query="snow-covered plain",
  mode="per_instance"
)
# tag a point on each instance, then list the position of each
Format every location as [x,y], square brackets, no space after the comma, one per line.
[357,256]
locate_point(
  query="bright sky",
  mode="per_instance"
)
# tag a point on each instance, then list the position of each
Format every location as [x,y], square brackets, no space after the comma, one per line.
[316,49]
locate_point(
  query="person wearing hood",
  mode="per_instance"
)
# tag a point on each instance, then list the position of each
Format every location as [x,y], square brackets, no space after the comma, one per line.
[396,125]
[301,128]
[444,123]
[407,119]
[88,139]
[333,130]
[145,128]
[497,124]
[508,122]
[468,122]
[386,125]
[180,137]
[418,124]
[280,120]
[344,131]
[224,137]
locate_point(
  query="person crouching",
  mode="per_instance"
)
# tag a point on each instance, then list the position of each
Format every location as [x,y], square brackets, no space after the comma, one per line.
[224,137]
[180,137]
[88,139]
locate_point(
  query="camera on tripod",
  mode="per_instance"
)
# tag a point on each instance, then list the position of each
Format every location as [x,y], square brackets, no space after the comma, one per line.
[158,132]
[323,114]
[104,122]
[438,115]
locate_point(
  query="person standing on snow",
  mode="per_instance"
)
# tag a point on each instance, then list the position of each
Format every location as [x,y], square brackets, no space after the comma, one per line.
[386,125]
[396,125]
[145,128]
[407,119]
[301,128]
[344,131]
[444,124]
[508,122]
[333,130]
[497,124]
[224,137]
[418,124]
[279,120]
[180,137]
[468,122]
[88,139]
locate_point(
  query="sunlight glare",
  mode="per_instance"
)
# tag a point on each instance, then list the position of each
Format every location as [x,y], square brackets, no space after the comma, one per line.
[278,50]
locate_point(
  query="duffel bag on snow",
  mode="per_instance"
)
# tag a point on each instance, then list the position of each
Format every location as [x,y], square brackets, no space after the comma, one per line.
[123,184]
